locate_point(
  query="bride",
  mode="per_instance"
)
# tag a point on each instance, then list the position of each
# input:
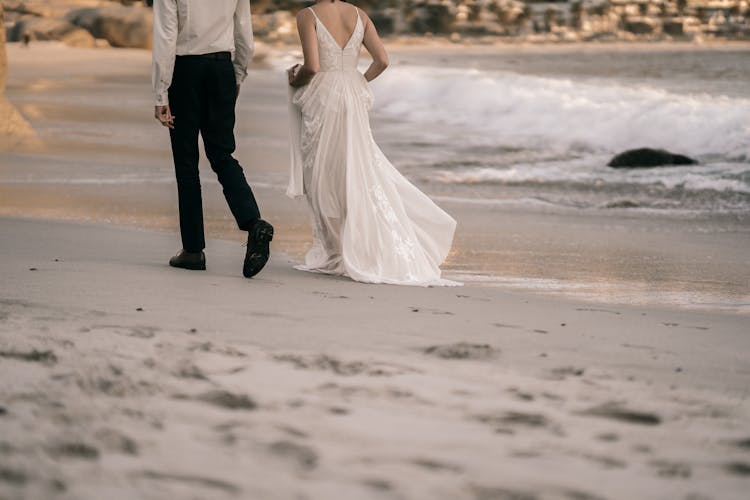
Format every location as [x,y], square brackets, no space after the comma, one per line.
[369,222]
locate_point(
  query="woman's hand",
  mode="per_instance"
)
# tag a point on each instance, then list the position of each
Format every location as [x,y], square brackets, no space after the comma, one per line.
[292,72]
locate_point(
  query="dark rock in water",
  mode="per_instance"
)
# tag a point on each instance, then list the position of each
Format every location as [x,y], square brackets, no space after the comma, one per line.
[647,157]
[622,204]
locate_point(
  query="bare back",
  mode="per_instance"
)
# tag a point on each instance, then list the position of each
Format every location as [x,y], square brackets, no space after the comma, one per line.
[339,18]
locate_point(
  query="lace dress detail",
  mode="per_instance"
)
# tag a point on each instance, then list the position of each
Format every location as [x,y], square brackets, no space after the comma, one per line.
[368,221]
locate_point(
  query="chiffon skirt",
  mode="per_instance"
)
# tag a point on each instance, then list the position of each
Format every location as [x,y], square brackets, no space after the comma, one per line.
[369,222]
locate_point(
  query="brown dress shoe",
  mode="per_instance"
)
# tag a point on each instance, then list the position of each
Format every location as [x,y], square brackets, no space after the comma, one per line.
[195,261]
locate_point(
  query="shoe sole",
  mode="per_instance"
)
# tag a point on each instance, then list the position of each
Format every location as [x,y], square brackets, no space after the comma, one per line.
[254,263]
[198,267]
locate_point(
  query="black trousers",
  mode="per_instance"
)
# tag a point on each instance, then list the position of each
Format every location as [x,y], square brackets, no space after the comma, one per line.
[202,100]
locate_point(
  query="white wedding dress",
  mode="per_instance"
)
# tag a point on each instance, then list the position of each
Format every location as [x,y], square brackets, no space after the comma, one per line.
[369,222]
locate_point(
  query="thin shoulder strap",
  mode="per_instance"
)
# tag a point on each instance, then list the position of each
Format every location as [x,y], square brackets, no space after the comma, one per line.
[360,21]
[314,14]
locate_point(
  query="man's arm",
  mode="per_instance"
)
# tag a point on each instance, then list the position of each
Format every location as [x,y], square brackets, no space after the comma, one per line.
[165,47]
[243,40]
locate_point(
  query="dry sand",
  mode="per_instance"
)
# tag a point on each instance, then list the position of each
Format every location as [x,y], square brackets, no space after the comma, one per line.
[122,378]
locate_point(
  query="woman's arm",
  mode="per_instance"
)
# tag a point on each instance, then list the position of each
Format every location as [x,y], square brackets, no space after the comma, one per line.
[309,40]
[374,46]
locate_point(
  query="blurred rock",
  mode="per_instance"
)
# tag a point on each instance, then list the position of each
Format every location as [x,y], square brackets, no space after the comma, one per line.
[13,127]
[640,26]
[432,18]
[3,58]
[39,28]
[49,8]
[275,26]
[120,26]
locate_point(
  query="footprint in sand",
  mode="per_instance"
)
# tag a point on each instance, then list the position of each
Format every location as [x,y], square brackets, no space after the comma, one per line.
[189,480]
[617,412]
[111,381]
[605,461]
[667,468]
[377,484]
[329,296]
[34,356]
[292,431]
[481,299]
[347,392]
[592,309]
[492,493]
[210,347]
[433,311]
[608,437]
[506,422]
[462,350]
[338,410]
[436,465]
[301,455]
[228,400]
[563,372]
[12,476]
[503,325]
[74,449]
[580,495]
[737,468]
[186,369]
[521,395]
[329,363]
[116,441]
[141,332]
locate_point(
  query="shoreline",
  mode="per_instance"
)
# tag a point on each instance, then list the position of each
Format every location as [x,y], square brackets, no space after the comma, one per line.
[114,164]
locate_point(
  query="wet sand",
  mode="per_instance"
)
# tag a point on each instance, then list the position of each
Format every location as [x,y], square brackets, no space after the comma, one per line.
[102,157]
[123,378]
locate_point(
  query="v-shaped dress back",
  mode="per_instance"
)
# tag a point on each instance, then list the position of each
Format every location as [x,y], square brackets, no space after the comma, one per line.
[369,222]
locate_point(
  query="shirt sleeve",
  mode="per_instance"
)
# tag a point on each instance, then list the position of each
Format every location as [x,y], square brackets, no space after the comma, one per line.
[243,39]
[165,48]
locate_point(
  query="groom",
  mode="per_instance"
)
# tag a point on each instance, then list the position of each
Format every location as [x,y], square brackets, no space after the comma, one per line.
[201,52]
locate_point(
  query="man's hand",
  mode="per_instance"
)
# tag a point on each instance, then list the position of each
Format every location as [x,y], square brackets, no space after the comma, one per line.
[164,115]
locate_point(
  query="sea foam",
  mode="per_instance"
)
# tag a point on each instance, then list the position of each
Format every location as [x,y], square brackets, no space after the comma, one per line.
[508,109]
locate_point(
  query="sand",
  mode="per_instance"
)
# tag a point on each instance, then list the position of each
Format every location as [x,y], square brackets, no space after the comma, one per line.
[122,378]
[102,157]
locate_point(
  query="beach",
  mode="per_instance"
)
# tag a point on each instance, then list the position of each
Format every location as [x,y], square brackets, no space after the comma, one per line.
[123,378]
[597,349]
[555,221]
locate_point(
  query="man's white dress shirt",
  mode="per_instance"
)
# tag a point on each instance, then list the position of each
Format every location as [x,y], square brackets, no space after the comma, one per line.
[194,27]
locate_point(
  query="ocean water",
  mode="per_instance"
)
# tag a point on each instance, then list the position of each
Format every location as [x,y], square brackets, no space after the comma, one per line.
[538,128]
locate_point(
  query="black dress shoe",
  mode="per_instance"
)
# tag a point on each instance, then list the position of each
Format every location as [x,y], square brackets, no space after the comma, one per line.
[195,261]
[257,252]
